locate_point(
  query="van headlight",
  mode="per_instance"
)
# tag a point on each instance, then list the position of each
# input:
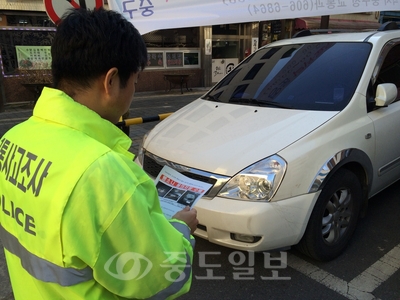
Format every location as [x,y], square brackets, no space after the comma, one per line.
[259,182]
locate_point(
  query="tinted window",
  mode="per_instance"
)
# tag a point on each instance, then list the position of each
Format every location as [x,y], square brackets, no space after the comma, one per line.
[390,71]
[320,76]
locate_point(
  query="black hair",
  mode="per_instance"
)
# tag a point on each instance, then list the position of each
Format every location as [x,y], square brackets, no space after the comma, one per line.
[88,43]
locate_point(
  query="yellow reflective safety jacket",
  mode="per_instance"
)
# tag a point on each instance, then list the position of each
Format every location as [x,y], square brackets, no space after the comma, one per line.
[78,218]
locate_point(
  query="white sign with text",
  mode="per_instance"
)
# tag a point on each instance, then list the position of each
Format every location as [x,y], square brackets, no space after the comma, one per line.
[177,191]
[149,15]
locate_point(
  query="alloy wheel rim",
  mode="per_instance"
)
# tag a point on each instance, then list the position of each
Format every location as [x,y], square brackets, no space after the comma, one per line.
[337,216]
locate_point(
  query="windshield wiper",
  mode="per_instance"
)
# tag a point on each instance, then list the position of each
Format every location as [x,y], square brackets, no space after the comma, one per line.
[276,104]
[212,98]
[245,101]
[258,102]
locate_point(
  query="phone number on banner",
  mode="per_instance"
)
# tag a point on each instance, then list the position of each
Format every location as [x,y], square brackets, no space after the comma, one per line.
[306,5]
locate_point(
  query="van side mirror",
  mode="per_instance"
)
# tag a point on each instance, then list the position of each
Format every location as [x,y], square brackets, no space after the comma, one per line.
[386,93]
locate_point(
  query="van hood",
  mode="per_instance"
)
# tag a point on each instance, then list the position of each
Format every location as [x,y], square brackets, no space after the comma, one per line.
[226,138]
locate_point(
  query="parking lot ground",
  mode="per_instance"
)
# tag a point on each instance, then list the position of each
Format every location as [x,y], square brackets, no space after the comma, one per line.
[368,269]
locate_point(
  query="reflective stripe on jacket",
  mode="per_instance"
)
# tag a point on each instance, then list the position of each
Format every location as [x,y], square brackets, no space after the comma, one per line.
[79,219]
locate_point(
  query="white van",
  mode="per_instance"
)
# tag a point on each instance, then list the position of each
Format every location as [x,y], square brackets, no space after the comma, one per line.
[294,141]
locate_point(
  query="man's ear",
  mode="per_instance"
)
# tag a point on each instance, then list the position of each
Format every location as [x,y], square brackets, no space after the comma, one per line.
[111,81]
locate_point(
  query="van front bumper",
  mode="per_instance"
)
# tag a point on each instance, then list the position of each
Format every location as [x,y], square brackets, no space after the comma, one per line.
[254,226]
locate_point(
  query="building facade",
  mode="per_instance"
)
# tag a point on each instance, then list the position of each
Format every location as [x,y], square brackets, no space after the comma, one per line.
[202,54]
[386,16]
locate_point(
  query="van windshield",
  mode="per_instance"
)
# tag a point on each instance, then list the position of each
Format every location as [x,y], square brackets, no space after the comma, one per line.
[317,76]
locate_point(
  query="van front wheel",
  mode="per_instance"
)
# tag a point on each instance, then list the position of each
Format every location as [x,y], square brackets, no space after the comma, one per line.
[334,217]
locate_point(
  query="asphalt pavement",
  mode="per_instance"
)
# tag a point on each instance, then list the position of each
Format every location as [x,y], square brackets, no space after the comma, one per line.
[368,269]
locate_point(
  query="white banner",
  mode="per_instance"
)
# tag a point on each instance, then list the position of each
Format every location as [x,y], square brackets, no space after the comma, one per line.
[149,15]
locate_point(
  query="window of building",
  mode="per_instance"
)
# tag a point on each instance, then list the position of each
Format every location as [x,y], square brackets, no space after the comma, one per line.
[232,29]
[173,48]
[31,21]
[173,59]
[181,37]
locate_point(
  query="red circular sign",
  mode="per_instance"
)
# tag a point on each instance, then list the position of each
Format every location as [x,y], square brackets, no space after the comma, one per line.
[56,8]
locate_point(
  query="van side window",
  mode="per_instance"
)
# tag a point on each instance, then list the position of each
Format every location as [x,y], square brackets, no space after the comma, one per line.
[390,70]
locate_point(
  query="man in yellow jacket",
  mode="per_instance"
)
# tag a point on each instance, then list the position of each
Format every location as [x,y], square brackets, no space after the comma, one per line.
[78,218]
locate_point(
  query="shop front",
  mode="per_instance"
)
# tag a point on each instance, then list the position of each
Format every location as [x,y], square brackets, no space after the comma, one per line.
[360,21]
[174,58]
[171,53]
[271,31]
[230,44]
[197,56]
[386,16]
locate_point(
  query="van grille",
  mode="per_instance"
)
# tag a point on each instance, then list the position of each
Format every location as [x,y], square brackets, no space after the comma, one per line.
[153,168]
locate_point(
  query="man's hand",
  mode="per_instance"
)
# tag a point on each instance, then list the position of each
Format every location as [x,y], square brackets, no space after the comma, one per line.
[189,216]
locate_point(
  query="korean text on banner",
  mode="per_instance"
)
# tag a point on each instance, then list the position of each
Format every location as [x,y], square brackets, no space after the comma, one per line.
[149,15]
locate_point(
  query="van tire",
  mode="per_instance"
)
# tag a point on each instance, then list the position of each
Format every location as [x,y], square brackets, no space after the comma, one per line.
[334,217]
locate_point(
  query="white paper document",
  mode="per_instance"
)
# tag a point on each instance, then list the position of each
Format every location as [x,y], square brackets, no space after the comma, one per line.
[176,191]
